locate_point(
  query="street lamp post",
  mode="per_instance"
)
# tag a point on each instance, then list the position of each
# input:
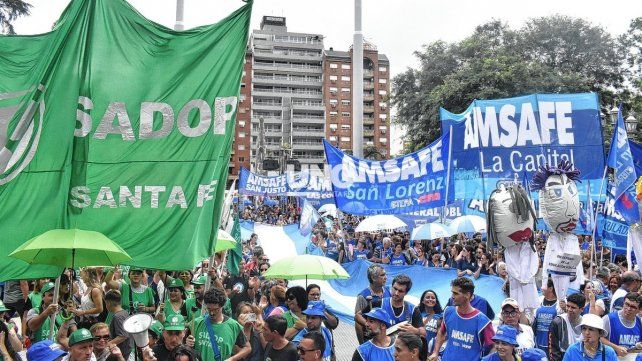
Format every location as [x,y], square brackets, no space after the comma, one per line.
[631,124]
[613,112]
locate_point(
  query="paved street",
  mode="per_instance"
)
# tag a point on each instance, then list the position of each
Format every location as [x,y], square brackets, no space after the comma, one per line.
[345,341]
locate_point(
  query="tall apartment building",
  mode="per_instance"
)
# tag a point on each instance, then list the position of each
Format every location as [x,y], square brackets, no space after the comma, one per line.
[287,92]
[338,98]
[304,94]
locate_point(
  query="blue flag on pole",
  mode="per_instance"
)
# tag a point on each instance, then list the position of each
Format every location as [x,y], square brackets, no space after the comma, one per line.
[620,158]
[309,217]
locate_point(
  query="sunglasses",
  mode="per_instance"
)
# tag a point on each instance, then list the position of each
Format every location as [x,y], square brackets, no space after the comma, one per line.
[302,351]
[98,338]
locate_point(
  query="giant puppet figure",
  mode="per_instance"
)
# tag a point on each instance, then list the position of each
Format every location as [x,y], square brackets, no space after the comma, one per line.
[560,208]
[511,222]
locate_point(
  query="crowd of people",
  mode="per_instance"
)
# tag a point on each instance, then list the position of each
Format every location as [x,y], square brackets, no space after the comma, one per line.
[208,313]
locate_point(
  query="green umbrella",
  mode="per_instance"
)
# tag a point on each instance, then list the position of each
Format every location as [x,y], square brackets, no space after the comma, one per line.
[304,266]
[224,242]
[71,248]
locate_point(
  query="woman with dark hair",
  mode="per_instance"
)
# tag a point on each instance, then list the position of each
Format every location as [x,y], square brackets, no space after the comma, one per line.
[296,298]
[614,283]
[453,254]
[186,277]
[184,353]
[431,313]
[410,347]
[485,265]
[247,316]
[466,265]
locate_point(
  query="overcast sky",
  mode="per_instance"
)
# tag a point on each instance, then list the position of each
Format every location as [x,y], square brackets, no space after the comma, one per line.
[398,28]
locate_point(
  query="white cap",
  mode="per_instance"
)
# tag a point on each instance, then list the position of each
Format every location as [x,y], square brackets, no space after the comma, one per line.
[593,321]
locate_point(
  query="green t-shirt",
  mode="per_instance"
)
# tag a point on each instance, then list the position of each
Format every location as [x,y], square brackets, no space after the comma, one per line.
[145,298]
[169,310]
[193,310]
[189,293]
[36,299]
[43,332]
[227,308]
[290,317]
[228,333]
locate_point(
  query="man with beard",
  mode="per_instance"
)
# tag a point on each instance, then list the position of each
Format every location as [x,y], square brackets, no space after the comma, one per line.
[380,347]
[398,309]
[194,305]
[173,335]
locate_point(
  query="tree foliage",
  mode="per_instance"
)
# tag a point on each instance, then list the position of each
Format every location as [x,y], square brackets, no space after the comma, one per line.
[10,10]
[555,54]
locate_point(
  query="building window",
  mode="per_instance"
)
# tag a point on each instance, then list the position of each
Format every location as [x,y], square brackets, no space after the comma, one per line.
[345,139]
[333,101]
[241,159]
[345,78]
[333,126]
[241,123]
[345,114]
[345,90]
[345,103]
[241,134]
[242,98]
[241,147]
[333,113]
[383,140]
[383,116]
[333,90]
[345,66]
[333,78]
[383,93]
[383,69]
[383,81]
[334,66]
[345,126]
[333,138]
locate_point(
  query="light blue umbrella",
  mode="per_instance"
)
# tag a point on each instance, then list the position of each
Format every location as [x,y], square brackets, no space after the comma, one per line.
[431,231]
[468,224]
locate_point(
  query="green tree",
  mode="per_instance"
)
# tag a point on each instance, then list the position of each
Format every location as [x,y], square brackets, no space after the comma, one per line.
[10,10]
[373,153]
[554,54]
[632,44]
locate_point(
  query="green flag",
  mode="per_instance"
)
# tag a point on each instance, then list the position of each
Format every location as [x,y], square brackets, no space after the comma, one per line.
[113,123]
[235,255]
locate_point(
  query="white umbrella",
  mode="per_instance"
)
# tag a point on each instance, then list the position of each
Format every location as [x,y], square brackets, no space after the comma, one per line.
[468,224]
[329,207]
[431,231]
[380,223]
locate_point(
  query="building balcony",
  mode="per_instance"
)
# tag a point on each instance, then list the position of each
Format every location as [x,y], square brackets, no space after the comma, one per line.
[368,74]
[368,109]
[307,146]
[368,132]
[310,160]
[368,85]
[308,133]
[368,120]
[267,106]
[267,80]
[308,105]
[294,68]
[286,55]
[368,97]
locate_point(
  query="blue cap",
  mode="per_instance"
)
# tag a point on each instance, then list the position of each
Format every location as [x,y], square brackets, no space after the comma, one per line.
[534,354]
[506,334]
[315,308]
[379,315]
[45,350]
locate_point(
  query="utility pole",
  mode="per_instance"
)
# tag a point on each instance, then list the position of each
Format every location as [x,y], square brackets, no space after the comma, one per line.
[357,84]
[180,6]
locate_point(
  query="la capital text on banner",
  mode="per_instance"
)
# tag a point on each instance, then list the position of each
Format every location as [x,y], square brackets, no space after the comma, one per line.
[113,123]
[402,185]
[493,140]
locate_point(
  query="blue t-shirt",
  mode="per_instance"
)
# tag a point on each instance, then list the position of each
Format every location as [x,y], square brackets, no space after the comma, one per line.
[576,353]
[405,315]
[622,335]
[464,336]
[371,352]
[464,265]
[398,260]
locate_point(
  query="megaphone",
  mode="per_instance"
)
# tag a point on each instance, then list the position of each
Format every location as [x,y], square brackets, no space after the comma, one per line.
[137,326]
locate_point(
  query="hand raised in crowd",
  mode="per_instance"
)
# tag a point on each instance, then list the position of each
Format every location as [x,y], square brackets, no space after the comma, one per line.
[115,351]
[148,354]
[51,309]
[190,341]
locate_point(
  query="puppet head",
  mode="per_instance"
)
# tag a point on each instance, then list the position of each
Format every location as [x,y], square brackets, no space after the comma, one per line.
[558,197]
[510,217]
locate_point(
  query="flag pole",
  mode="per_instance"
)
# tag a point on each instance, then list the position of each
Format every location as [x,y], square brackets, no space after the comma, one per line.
[450,155]
[599,196]
[481,163]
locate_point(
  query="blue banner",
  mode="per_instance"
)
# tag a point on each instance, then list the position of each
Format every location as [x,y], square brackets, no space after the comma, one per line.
[620,158]
[504,140]
[402,185]
[316,190]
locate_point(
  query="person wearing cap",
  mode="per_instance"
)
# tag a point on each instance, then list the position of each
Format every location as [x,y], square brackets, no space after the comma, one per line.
[81,347]
[154,333]
[547,311]
[590,348]
[315,314]
[119,336]
[511,315]
[217,332]
[468,330]
[38,319]
[505,341]
[370,297]
[566,329]
[630,282]
[173,334]
[135,296]
[623,328]
[380,347]
[175,305]
[46,350]
[195,304]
